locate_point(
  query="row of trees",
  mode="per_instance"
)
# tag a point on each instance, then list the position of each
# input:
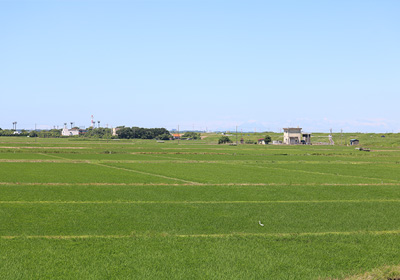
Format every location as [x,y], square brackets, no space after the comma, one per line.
[11,132]
[91,132]
[143,133]
[226,139]
[191,135]
[100,132]
[53,133]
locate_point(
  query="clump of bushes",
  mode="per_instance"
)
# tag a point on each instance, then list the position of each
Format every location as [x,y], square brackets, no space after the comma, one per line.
[224,140]
[191,135]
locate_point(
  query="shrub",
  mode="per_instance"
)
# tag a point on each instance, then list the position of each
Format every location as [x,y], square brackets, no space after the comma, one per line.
[224,139]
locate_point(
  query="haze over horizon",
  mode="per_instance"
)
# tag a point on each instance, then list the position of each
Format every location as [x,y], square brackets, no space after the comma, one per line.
[215,65]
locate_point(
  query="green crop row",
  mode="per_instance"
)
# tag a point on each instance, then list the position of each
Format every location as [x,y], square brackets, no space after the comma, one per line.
[104,218]
[188,193]
[295,257]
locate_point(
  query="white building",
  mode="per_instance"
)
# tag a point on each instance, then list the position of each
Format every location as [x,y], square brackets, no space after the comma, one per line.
[114,130]
[291,136]
[69,132]
[294,136]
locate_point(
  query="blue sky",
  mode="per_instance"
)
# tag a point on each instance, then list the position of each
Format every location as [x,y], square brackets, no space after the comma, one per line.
[258,65]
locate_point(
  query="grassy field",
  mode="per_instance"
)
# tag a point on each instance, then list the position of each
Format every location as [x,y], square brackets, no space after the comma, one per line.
[123,209]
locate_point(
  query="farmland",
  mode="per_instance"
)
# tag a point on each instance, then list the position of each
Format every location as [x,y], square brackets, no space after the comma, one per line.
[97,209]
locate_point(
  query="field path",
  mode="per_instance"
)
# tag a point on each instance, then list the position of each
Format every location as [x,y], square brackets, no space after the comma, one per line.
[147,173]
[131,170]
[197,201]
[319,173]
[211,235]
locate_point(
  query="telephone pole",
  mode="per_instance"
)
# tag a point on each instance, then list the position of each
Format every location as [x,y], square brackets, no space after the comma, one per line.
[236,137]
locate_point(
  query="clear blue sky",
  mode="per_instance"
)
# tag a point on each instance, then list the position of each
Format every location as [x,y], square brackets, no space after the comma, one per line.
[201,64]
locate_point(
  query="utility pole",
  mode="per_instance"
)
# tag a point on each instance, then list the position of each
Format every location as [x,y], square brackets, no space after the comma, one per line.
[236,137]
[107,132]
[179,136]
[341,136]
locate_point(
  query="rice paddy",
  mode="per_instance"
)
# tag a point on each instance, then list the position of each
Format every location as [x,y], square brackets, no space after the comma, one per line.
[72,209]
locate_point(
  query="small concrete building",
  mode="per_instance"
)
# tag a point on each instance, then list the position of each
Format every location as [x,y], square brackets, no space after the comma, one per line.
[292,136]
[306,139]
[69,132]
[114,131]
[177,136]
[354,142]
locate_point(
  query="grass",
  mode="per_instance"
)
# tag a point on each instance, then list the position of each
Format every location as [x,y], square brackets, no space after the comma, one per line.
[49,172]
[188,193]
[217,173]
[182,218]
[157,257]
[73,209]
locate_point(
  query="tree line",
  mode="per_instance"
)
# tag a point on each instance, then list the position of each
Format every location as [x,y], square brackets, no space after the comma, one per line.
[52,133]
[100,132]
[143,133]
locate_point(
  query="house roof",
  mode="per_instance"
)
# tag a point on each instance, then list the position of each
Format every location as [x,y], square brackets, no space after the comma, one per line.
[297,129]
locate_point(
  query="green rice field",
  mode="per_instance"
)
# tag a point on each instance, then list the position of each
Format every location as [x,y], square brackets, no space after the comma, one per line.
[123,209]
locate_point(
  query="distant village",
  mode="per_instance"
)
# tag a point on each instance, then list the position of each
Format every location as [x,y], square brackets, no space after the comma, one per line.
[291,135]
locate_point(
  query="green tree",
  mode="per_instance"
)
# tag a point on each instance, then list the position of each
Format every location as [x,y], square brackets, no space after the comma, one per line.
[192,135]
[164,136]
[141,133]
[267,139]
[224,139]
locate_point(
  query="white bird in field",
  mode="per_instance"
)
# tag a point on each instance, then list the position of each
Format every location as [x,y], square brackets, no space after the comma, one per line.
[259,222]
